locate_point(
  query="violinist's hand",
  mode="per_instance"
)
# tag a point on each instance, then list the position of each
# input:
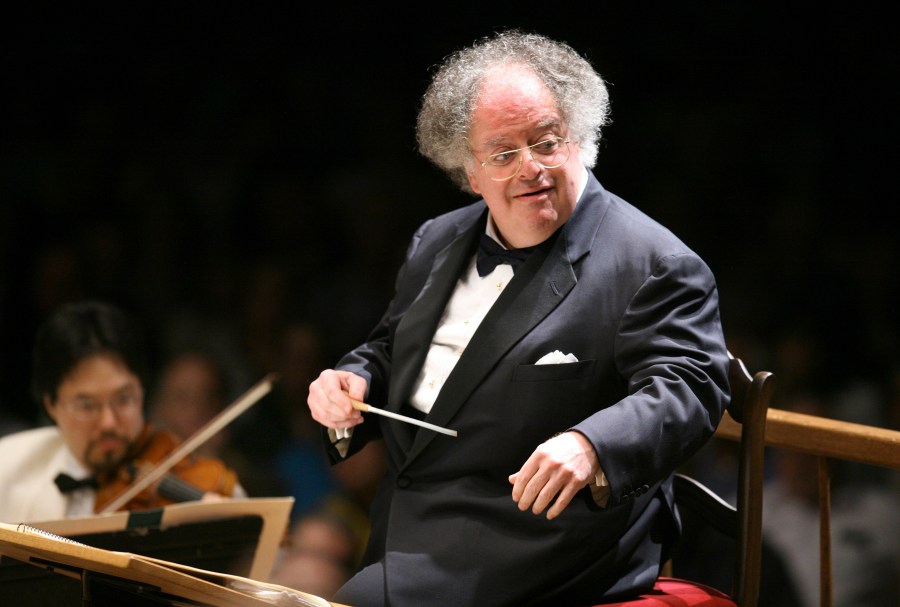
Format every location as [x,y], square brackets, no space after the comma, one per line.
[328,401]
[558,468]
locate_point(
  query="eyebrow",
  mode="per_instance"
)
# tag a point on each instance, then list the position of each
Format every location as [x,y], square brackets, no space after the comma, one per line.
[128,386]
[546,123]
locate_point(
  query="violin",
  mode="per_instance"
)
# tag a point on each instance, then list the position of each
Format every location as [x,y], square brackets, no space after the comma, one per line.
[143,481]
[189,479]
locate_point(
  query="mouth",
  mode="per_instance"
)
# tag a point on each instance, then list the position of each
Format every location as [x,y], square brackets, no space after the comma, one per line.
[106,443]
[109,444]
[532,194]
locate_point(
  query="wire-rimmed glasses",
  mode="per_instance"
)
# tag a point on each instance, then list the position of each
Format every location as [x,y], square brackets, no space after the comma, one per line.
[122,405]
[549,153]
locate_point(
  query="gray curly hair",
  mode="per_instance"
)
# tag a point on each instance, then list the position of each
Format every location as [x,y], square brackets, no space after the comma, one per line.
[444,120]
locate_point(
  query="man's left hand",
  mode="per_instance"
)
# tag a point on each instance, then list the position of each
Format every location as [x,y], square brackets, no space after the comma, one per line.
[559,468]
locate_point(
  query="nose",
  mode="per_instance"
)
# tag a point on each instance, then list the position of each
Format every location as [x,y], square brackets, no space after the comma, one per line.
[108,416]
[529,168]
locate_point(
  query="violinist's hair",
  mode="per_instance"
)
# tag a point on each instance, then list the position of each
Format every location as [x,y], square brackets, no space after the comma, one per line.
[448,105]
[79,330]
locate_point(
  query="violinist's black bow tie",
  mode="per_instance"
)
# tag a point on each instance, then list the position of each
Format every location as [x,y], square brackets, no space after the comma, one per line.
[67,484]
[491,254]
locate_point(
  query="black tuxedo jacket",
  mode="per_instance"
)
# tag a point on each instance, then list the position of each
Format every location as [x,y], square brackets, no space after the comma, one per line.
[639,310]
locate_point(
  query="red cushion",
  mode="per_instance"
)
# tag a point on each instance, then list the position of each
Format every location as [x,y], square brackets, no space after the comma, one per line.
[672,592]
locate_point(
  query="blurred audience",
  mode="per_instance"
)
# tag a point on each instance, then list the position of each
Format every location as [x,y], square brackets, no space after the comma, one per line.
[190,391]
[280,436]
[323,548]
[865,525]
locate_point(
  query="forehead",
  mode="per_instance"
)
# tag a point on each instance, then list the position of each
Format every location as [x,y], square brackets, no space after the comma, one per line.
[96,375]
[512,102]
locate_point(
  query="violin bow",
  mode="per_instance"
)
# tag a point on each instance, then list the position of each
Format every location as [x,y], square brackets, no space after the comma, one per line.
[244,402]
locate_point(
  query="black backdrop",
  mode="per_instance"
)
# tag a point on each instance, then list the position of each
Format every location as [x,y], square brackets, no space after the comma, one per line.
[163,157]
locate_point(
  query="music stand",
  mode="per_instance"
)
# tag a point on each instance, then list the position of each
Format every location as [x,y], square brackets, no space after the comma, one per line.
[236,537]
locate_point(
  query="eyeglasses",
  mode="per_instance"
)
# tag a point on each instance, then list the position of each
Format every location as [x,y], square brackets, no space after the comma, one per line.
[548,153]
[122,405]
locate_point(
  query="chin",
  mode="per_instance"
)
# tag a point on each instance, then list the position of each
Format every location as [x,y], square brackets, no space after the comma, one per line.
[103,463]
[547,219]
[548,214]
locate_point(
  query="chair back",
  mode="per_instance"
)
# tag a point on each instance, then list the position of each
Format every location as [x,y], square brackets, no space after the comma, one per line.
[742,523]
[749,406]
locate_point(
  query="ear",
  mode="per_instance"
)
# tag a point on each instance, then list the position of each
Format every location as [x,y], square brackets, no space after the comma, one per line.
[50,408]
[473,183]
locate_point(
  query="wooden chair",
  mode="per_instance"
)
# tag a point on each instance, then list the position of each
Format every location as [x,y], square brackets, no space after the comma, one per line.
[831,441]
[750,398]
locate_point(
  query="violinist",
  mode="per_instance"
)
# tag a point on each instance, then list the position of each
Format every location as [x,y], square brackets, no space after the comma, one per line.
[89,372]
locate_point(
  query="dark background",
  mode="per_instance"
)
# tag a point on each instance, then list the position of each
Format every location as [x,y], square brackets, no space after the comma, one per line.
[232,170]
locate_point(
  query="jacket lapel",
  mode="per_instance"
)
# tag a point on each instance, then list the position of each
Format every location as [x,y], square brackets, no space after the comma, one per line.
[420,322]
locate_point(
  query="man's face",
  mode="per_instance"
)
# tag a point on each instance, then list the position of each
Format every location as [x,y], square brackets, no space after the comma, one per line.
[188,396]
[99,411]
[515,110]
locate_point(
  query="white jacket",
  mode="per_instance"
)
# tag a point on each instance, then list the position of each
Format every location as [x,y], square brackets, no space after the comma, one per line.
[29,461]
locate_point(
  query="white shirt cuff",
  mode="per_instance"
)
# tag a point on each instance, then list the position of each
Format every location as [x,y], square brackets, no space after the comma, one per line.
[340,438]
[600,489]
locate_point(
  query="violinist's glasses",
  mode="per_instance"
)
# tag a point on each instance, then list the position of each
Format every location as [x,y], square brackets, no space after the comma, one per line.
[122,405]
[548,153]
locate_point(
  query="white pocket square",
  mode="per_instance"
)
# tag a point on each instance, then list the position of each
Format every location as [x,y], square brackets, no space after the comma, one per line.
[556,357]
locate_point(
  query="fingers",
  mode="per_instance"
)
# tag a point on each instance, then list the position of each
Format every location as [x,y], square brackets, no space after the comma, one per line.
[328,401]
[565,496]
[520,479]
[354,385]
[554,473]
[539,491]
[529,482]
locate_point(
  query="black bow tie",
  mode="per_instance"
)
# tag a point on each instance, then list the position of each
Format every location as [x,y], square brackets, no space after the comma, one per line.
[491,254]
[67,484]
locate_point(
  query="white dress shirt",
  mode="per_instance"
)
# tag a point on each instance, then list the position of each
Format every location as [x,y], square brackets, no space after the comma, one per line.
[472,298]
